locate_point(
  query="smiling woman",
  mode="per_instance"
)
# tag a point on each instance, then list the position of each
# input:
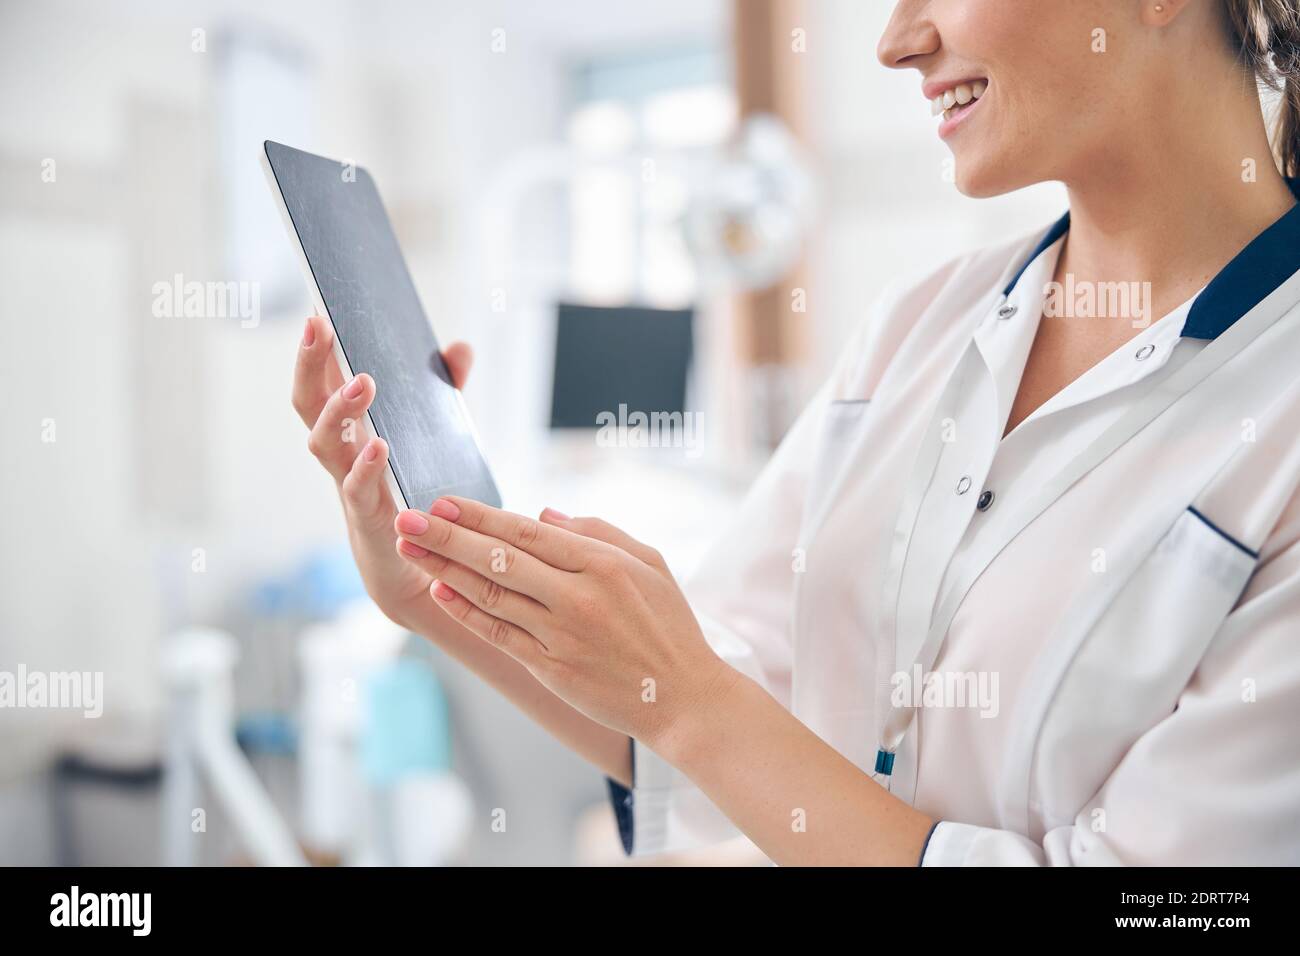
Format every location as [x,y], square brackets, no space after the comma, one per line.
[1089,515]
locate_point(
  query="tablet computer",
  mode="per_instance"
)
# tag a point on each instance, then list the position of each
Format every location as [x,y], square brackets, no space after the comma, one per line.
[361,284]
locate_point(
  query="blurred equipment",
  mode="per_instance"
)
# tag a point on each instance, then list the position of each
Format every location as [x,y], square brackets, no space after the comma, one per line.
[610,357]
[746,230]
[750,204]
[752,208]
[376,786]
[739,211]
[421,810]
[337,657]
[198,665]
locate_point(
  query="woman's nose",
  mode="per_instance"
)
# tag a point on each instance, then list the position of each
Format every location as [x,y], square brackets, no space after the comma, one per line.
[910,34]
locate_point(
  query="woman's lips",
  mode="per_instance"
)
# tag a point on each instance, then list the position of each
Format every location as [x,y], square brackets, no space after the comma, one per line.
[956,102]
[954,118]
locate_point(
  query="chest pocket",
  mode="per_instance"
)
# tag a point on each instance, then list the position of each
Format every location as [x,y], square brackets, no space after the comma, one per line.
[1134,660]
[842,426]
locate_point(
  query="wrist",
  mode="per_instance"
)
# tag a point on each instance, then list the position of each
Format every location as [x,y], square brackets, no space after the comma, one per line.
[684,739]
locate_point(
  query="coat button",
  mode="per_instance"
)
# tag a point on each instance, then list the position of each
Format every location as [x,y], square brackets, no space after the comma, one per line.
[1007,311]
[986,499]
[963,486]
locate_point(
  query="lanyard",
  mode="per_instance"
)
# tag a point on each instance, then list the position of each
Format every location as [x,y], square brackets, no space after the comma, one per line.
[898,719]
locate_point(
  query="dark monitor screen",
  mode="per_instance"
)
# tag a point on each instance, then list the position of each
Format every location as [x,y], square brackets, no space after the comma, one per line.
[622,356]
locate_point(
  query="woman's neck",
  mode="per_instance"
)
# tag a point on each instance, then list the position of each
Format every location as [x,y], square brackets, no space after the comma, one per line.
[1174,208]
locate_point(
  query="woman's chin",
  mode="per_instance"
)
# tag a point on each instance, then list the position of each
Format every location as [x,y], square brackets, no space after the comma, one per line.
[984,178]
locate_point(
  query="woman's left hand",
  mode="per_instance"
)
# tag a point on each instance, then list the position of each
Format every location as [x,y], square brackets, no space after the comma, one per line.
[594,614]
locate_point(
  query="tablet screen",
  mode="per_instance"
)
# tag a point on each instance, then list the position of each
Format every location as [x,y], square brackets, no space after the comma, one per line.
[362,277]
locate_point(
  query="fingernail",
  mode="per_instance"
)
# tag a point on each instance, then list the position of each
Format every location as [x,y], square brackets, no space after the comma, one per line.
[371,452]
[414,550]
[442,592]
[308,335]
[445,509]
[412,522]
[555,515]
[353,388]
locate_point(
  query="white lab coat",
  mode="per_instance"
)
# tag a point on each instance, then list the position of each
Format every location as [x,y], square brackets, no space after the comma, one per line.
[1122,572]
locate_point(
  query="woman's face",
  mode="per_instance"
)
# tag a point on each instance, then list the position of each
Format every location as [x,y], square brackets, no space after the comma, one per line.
[1067,84]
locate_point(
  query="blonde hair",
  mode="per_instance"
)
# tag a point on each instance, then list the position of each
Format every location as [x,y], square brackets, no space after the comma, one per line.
[1266,34]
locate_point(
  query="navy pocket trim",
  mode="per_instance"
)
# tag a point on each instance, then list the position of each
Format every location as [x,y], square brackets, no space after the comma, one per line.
[1224,535]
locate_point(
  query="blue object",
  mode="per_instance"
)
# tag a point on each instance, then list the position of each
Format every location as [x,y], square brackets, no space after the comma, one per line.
[326,581]
[266,732]
[884,762]
[406,728]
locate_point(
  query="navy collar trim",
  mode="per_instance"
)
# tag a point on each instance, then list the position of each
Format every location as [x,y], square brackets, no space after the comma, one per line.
[1270,259]
[1060,228]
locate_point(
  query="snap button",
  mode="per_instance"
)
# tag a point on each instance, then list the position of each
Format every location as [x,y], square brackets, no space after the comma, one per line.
[1144,352]
[1007,311]
[986,499]
[963,486]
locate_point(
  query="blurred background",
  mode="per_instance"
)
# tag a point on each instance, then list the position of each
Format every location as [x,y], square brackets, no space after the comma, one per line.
[193,673]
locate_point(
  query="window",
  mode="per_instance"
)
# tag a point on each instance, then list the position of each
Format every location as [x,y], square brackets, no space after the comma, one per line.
[636,123]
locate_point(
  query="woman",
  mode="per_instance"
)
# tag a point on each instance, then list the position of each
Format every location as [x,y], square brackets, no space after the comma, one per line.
[1022,585]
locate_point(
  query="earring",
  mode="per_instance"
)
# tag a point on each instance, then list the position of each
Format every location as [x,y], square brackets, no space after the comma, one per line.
[1160,8]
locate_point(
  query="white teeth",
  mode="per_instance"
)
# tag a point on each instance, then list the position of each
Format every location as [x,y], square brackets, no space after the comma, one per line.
[961,95]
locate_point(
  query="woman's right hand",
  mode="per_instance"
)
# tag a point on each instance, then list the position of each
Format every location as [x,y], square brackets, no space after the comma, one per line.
[397,585]
[333,412]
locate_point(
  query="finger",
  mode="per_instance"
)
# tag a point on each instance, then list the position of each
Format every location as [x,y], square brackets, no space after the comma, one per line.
[460,359]
[490,557]
[515,641]
[485,593]
[604,531]
[557,547]
[311,374]
[364,490]
[339,432]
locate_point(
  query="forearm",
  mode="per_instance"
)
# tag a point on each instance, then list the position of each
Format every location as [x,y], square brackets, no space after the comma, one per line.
[790,792]
[608,750]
